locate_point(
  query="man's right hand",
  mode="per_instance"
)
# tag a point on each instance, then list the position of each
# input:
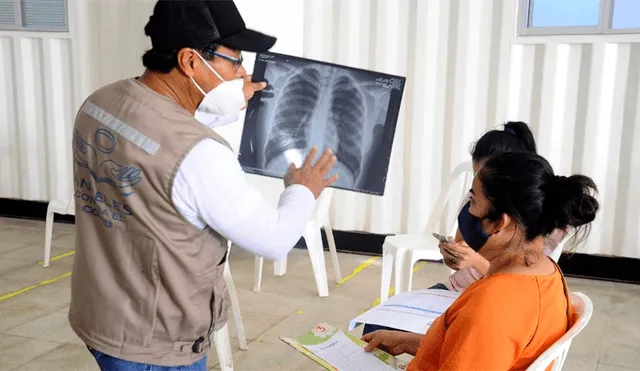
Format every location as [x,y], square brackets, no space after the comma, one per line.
[313,176]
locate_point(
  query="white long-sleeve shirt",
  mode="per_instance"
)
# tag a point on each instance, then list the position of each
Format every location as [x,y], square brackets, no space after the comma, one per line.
[210,189]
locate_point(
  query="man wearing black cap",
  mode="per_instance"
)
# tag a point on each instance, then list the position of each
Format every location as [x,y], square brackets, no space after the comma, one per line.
[158,194]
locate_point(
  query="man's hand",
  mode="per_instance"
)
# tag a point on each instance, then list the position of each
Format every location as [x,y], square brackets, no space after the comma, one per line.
[313,176]
[392,342]
[250,88]
[458,255]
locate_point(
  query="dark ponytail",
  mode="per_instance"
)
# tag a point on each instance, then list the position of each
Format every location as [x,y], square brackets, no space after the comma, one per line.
[570,202]
[516,136]
[523,186]
[523,135]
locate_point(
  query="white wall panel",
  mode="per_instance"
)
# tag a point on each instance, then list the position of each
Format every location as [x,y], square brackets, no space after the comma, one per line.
[465,71]
[35,116]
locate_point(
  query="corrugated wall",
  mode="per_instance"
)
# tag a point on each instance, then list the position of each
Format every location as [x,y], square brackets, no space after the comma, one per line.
[36,104]
[466,74]
[44,77]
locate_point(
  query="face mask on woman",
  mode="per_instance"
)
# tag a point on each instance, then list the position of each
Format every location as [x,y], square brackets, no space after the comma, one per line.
[471,229]
[225,99]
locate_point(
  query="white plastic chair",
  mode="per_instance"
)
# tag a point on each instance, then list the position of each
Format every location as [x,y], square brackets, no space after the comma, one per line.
[557,252]
[60,206]
[235,304]
[557,353]
[221,338]
[222,342]
[313,238]
[405,250]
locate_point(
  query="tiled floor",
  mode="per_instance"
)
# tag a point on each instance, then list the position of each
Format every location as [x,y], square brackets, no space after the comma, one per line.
[35,335]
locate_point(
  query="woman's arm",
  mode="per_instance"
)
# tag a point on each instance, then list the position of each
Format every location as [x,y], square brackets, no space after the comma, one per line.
[481,265]
[393,342]
[412,342]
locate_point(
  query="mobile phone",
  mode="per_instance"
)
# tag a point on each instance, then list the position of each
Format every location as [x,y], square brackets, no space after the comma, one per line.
[440,237]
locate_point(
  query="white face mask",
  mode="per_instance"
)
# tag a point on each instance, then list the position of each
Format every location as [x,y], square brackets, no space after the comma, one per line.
[223,100]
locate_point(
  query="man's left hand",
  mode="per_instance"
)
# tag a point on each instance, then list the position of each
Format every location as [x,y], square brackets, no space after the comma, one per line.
[250,88]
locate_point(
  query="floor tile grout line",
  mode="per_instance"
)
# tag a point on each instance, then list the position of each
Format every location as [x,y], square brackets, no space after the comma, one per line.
[4,333]
[601,341]
[40,356]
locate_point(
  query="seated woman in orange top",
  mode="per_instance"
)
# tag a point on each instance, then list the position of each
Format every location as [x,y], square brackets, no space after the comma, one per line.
[506,319]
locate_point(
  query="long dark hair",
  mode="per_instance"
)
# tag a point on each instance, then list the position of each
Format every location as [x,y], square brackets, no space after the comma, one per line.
[516,136]
[524,186]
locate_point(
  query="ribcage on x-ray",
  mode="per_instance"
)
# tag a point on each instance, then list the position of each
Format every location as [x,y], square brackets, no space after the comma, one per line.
[348,114]
[293,112]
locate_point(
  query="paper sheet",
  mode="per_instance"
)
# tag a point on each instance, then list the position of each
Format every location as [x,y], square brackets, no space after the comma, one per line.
[344,354]
[412,311]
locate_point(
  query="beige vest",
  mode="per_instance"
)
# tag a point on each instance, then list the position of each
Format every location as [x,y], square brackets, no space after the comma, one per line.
[147,285]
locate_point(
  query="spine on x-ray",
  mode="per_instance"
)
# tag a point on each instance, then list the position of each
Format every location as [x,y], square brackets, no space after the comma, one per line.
[294,109]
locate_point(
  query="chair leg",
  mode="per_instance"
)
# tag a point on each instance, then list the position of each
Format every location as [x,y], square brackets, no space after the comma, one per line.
[314,245]
[222,343]
[257,273]
[409,270]
[280,268]
[48,233]
[334,252]
[235,308]
[387,269]
[403,270]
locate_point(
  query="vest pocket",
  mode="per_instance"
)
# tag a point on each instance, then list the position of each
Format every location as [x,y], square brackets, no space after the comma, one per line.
[142,287]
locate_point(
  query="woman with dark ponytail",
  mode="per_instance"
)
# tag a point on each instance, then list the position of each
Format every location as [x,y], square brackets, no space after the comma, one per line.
[463,253]
[522,305]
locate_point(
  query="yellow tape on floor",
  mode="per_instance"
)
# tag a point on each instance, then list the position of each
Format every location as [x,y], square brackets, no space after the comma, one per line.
[58,257]
[27,289]
[358,269]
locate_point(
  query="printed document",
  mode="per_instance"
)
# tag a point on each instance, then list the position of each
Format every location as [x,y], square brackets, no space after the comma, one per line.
[338,351]
[344,354]
[412,311]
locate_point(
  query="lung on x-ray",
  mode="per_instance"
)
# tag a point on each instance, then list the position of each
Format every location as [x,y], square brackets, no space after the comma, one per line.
[311,103]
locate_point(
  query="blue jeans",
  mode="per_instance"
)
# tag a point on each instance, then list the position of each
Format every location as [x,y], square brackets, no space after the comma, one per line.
[371,328]
[108,363]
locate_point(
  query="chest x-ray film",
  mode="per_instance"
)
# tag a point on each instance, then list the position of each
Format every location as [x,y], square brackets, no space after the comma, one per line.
[310,103]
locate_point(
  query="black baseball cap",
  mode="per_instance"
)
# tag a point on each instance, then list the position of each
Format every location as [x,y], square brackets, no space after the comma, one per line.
[177,24]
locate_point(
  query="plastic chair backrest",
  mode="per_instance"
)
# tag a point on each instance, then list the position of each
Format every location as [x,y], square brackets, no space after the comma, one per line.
[557,353]
[557,252]
[465,170]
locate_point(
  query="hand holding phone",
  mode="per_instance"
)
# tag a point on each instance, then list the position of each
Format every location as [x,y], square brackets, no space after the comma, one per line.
[443,239]
[440,237]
